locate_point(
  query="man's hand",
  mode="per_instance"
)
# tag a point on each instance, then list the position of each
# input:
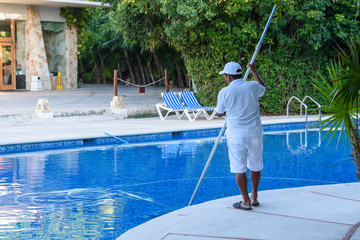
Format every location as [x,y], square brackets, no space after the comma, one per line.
[252,67]
[220,114]
[255,74]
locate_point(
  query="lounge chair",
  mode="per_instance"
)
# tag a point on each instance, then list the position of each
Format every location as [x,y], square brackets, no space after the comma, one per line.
[191,101]
[172,103]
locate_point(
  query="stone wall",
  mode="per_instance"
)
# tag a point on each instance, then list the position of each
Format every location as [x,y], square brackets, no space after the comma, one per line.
[31,53]
[35,50]
[70,81]
[37,63]
[20,46]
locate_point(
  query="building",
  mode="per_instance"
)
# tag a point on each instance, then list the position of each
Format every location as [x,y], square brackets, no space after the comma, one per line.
[36,42]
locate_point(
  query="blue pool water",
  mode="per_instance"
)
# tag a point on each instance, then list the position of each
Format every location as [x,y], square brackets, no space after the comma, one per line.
[100,192]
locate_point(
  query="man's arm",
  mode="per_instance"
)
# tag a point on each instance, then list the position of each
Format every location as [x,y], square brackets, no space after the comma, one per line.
[220,109]
[220,114]
[255,74]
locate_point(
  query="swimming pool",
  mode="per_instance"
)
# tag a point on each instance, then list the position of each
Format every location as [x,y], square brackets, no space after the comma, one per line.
[100,192]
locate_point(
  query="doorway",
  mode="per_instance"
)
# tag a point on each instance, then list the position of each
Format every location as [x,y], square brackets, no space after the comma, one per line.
[7,55]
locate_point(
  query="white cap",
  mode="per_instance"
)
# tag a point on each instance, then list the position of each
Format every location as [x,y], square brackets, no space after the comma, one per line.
[231,68]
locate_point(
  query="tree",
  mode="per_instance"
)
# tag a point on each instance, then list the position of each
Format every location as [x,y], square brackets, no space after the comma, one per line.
[94,34]
[342,95]
[102,48]
[210,33]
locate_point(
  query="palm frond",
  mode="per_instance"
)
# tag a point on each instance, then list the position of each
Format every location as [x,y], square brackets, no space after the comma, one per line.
[350,76]
[341,114]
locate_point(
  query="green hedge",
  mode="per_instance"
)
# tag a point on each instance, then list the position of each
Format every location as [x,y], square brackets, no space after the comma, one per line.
[299,44]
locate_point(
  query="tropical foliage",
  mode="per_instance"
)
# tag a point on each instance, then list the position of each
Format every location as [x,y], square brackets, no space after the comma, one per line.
[341,94]
[195,38]
[102,50]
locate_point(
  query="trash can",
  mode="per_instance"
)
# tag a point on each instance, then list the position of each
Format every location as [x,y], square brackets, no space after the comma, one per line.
[20,82]
[36,84]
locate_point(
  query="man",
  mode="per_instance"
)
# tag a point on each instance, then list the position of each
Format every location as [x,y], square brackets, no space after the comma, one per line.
[239,102]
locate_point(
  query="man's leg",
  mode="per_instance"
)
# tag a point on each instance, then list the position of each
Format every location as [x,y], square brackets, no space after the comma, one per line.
[242,181]
[238,161]
[255,181]
[255,164]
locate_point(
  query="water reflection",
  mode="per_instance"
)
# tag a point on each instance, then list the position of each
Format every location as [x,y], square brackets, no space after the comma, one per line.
[21,207]
[33,171]
[14,218]
[297,142]
[173,150]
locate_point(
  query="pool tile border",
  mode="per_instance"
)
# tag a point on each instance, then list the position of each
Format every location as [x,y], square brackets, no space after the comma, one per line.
[138,138]
[30,147]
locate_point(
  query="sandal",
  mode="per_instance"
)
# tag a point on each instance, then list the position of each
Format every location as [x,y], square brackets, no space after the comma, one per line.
[239,206]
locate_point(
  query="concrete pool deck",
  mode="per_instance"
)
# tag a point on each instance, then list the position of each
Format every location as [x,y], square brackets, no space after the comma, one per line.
[315,212]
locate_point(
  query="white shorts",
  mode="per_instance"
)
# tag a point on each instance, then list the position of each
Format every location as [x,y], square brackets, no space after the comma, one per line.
[245,152]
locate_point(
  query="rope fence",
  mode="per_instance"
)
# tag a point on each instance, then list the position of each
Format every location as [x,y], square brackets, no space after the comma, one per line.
[128,82]
[154,82]
[132,84]
[141,87]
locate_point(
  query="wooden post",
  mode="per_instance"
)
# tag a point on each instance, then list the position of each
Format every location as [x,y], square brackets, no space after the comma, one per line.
[115,82]
[166,81]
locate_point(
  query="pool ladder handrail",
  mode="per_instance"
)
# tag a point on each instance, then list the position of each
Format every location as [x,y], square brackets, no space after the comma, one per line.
[301,103]
[308,97]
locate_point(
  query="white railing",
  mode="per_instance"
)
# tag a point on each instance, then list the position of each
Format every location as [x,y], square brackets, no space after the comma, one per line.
[308,97]
[302,103]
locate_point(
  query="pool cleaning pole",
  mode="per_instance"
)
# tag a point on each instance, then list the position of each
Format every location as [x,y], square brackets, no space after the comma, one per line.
[116,138]
[223,128]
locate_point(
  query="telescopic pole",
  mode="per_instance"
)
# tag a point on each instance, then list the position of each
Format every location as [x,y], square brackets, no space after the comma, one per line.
[258,46]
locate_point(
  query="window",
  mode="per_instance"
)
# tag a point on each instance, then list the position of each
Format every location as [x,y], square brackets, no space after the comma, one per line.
[5,28]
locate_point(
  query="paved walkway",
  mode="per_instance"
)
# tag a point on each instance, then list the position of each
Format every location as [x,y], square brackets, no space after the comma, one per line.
[88,100]
[319,212]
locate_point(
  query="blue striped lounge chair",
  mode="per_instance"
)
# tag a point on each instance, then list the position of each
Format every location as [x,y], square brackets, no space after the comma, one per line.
[191,101]
[172,103]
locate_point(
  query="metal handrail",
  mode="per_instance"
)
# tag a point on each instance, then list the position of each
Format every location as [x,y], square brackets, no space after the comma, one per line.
[288,104]
[314,102]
